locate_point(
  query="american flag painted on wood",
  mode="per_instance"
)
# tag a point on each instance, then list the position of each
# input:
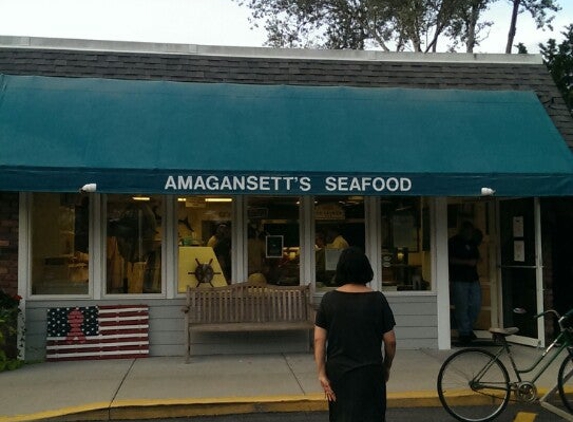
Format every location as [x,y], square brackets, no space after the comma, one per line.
[98,332]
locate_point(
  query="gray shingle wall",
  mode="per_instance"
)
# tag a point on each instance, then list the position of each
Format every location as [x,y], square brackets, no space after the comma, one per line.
[260,70]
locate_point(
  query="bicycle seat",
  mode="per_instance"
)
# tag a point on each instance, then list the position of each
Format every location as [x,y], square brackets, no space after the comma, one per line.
[504,331]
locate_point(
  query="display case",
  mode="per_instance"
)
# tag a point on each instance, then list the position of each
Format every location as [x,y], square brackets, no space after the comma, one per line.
[398,274]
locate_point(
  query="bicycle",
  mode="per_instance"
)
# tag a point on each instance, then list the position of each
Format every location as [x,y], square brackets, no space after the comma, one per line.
[474,384]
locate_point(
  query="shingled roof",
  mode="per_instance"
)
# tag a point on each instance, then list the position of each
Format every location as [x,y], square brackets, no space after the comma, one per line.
[188,63]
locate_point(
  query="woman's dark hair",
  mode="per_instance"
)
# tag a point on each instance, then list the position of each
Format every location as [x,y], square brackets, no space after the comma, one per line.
[353,267]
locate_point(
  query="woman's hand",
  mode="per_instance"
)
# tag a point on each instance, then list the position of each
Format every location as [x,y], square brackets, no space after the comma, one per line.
[386,373]
[319,357]
[330,396]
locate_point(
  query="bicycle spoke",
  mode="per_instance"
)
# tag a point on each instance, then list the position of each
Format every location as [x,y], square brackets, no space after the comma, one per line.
[473,386]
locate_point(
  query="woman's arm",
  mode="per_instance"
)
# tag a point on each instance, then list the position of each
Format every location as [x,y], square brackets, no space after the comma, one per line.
[320,359]
[389,340]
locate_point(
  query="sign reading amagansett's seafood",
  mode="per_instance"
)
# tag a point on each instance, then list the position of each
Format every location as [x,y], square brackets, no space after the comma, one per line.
[211,183]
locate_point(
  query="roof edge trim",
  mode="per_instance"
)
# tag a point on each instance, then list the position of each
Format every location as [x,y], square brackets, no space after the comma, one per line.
[36,43]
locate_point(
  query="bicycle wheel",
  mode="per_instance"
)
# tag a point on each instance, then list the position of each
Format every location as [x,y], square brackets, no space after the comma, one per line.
[473,386]
[565,382]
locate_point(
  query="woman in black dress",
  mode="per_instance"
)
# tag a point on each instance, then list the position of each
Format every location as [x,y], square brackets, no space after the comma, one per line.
[354,321]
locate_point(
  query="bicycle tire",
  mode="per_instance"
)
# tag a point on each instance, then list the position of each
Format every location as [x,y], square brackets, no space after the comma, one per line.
[469,403]
[565,382]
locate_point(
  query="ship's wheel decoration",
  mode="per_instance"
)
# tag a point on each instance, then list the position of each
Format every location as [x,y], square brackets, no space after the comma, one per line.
[204,273]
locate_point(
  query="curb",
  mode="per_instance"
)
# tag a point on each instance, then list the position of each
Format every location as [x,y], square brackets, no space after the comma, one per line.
[142,409]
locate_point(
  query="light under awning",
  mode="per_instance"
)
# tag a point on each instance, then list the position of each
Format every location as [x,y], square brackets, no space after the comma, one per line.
[57,134]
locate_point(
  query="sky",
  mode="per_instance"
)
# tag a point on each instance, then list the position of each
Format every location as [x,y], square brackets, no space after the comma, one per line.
[207,22]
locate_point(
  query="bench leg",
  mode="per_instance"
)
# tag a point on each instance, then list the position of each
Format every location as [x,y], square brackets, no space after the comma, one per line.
[187,346]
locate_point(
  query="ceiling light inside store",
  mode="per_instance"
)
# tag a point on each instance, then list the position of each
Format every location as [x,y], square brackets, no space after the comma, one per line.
[355,198]
[218,199]
[181,199]
[141,198]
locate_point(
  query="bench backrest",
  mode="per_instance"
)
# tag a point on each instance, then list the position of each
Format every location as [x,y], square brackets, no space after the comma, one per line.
[247,303]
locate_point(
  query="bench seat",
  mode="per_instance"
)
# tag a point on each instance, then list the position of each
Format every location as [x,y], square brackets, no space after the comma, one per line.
[246,307]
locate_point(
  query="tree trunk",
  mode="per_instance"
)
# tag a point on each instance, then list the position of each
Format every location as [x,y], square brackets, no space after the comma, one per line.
[471,29]
[512,26]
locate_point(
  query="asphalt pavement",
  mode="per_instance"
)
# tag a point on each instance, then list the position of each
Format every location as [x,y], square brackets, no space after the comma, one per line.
[517,413]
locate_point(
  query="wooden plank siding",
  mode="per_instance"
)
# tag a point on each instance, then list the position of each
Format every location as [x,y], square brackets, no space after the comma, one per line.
[416,318]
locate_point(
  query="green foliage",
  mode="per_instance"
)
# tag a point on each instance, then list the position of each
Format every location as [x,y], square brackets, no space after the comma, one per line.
[540,11]
[559,61]
[9,313]
[414,25]
[401,25]
[521,48]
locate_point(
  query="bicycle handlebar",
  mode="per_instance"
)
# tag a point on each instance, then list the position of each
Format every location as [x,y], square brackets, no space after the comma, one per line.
[549,311]
[560,319]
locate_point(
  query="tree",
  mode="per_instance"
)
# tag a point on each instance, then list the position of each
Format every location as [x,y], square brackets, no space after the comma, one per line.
[521,48]
[539,12]
[466,27]
[415,25]
[559,60]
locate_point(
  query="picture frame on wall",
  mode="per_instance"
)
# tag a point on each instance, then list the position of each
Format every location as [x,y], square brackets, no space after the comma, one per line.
[274,246]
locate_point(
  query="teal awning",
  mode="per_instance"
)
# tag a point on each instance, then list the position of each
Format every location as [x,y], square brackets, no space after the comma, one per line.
[57,134]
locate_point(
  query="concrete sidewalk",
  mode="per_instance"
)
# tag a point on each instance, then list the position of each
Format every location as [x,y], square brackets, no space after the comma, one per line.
[209,385]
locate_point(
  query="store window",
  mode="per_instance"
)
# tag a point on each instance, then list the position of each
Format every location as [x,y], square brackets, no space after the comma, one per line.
[273,244]
[406,260]
[204,241]
[134,241]
[60,243]
[339,223]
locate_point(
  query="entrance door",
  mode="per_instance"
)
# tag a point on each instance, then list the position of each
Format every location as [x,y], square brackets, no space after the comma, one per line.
[482,215]
[520,268]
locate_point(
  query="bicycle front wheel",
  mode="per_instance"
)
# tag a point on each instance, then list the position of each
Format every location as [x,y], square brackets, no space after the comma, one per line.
[565,382]
[473,385]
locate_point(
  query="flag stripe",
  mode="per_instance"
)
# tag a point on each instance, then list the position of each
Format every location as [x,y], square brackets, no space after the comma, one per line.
[104,341]
[134,355]
[102,332]
[116,354]
[98,346]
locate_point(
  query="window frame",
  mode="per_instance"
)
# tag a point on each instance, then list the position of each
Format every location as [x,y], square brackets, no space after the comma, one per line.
[166,221]
[169,278]
[26,250]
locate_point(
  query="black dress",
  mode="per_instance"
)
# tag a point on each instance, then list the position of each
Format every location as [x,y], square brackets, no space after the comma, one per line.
[355,324]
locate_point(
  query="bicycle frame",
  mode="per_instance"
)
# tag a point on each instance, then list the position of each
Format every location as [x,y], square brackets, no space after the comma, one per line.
[564,339]
[565,342]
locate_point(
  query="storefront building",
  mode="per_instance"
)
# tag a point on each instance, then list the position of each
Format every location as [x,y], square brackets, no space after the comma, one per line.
[124,164]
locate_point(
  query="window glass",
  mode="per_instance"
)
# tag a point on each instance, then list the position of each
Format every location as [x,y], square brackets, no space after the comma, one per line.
[406,260]
[204,241]
[134,239]
[273,244]
[60,243]
[339,223]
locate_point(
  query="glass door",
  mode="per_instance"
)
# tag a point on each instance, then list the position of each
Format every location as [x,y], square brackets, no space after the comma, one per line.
[520,268]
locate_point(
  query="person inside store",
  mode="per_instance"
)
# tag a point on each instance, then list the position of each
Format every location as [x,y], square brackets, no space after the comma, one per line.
[464,280]
[319,245]
[256,253]
[335,239]
[220,233]
[221,244]
[354,343]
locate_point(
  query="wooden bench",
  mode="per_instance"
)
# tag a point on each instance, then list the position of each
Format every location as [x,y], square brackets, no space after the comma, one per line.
[247,307]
